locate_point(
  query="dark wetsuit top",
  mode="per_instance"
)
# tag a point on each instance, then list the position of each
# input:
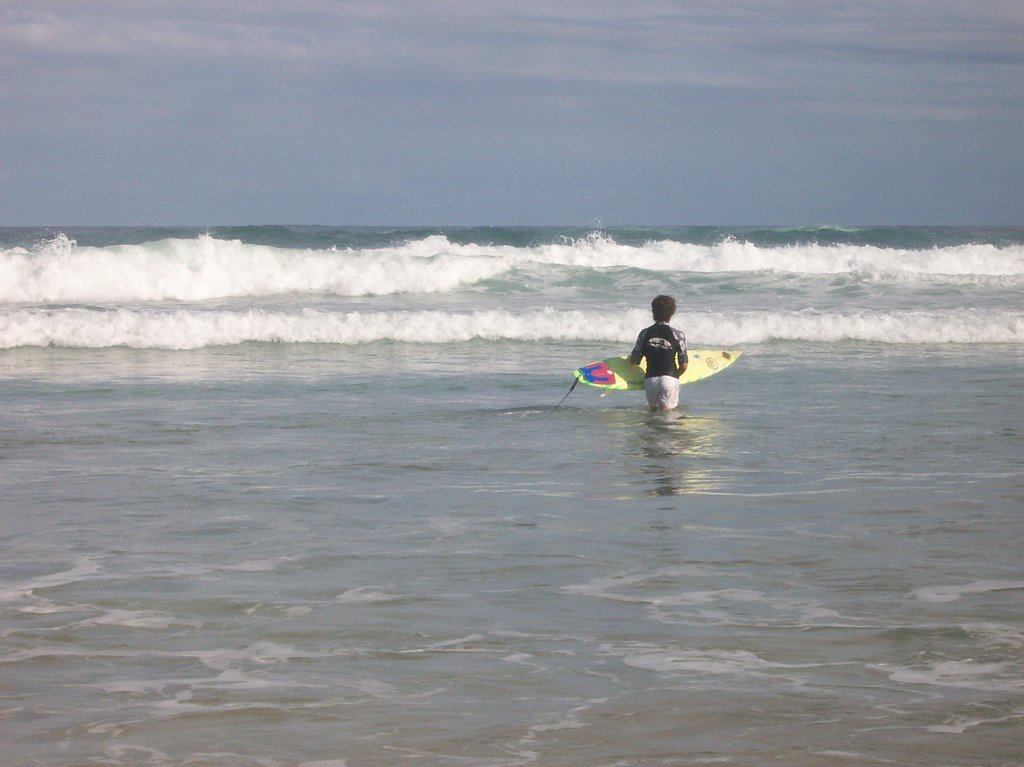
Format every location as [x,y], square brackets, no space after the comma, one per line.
[665,350]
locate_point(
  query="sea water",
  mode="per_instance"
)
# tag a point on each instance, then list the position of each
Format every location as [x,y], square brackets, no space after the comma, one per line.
[305,497]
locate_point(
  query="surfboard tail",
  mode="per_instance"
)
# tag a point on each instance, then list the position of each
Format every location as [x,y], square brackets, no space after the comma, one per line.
[616,373]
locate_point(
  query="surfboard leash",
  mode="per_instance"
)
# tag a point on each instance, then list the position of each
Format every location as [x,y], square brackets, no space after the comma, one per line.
[571,388]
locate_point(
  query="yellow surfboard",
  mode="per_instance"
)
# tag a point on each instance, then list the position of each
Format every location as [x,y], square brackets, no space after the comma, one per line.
[618,373]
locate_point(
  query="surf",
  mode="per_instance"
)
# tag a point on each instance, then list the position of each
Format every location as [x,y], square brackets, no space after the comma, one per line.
[193,328]
[204,268]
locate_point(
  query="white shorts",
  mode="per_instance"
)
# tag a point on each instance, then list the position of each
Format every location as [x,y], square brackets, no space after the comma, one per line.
[662,392]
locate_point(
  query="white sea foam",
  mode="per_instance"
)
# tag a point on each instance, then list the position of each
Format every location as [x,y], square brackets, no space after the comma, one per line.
[196,328]
[890,327]
[996,635]
[670,604]
[732,255]
[953,593]
[711,662]
[966,674]
[82,568]
[138,619]
[363,595]
[205,268]
[958,725]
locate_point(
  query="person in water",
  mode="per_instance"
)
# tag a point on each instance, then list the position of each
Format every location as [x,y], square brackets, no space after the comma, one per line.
[665,350]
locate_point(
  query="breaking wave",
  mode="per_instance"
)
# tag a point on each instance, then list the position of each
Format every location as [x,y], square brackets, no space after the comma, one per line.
[205,268]
[191,328]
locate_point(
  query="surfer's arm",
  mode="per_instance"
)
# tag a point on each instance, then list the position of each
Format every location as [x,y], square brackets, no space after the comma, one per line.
[638,349]
[682,357]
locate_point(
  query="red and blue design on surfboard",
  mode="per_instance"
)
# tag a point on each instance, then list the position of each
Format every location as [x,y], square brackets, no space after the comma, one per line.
[598,374]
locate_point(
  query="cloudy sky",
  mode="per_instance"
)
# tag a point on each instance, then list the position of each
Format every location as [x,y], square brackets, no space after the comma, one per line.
[392,112]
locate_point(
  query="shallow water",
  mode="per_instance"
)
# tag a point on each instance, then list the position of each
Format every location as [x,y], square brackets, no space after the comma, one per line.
[246,560]
[286,554]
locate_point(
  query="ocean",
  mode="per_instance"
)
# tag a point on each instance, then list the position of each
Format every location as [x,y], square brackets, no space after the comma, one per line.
[280,496]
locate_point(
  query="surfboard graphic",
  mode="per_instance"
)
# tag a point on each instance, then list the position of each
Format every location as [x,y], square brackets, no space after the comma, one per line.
[618,373]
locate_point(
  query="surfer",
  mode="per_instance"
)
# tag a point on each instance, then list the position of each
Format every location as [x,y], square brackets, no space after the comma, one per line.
[665,350]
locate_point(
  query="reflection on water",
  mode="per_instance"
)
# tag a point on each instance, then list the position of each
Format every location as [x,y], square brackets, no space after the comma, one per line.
[666,454]
[674,447]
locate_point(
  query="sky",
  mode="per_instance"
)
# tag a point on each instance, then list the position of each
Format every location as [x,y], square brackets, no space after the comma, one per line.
[526,112]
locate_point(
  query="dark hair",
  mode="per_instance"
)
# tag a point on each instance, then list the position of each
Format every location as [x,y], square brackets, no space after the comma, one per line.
[663,307]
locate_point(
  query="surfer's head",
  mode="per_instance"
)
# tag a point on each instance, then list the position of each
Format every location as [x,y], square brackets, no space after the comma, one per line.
[663,307]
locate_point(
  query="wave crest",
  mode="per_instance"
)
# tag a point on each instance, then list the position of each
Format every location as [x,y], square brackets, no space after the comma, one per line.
[59,271]
[206,268]
[192,329]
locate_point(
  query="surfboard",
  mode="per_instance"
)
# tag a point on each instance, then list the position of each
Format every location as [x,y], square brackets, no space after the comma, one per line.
[618,373]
